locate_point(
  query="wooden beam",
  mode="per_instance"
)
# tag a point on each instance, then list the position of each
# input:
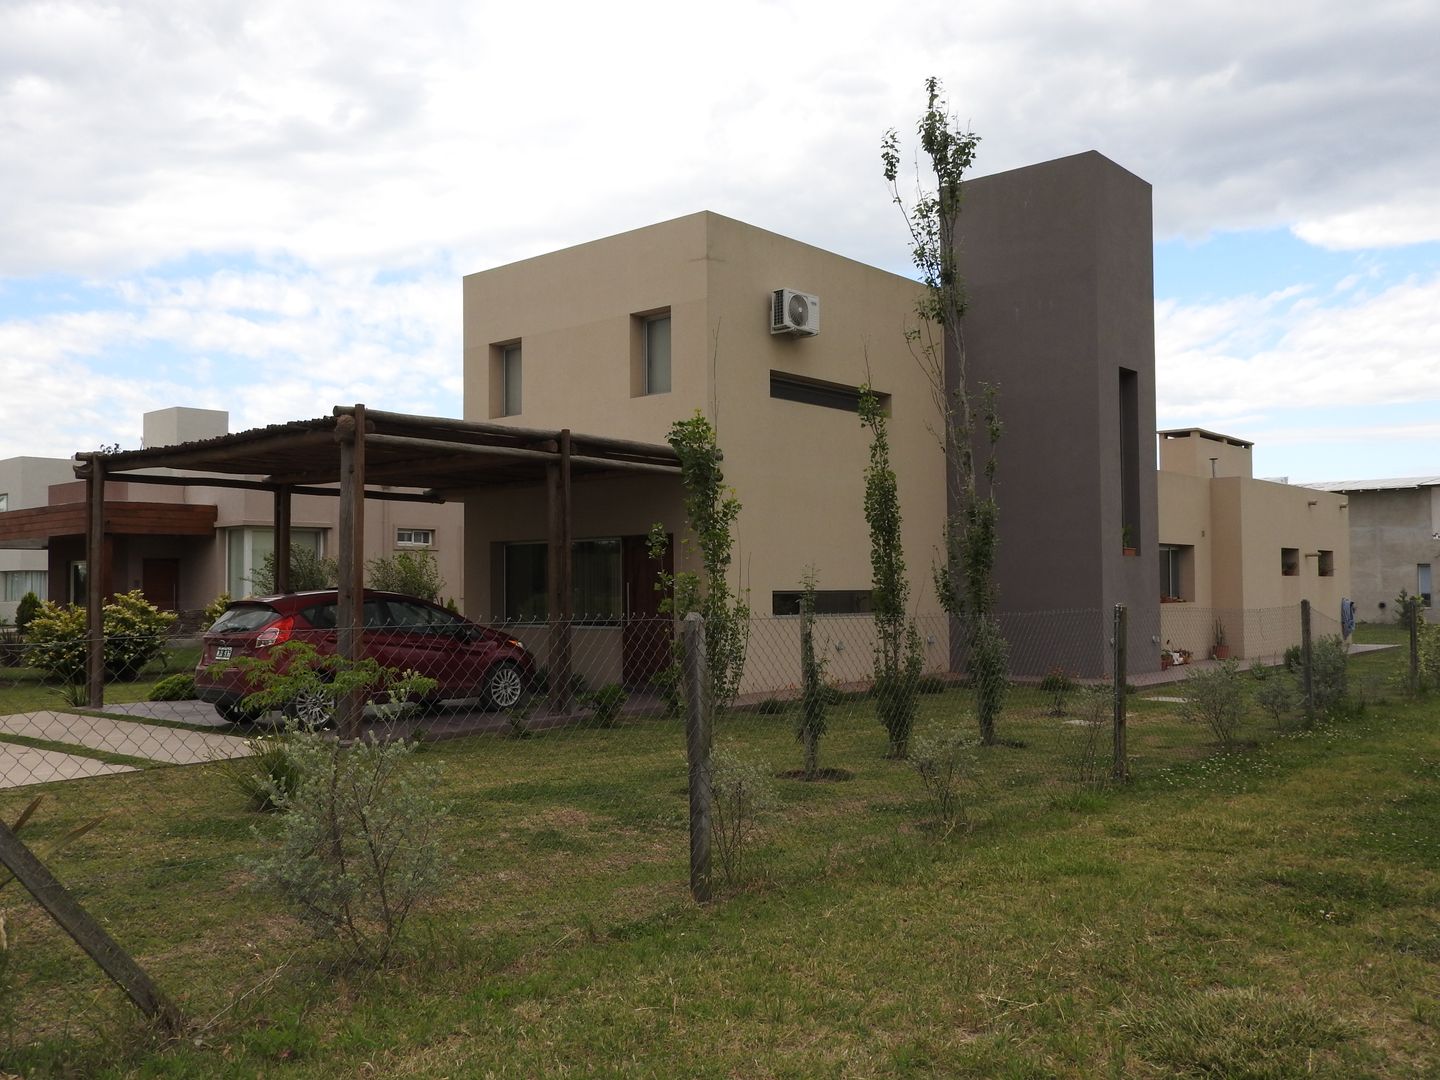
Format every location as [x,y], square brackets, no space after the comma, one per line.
[349,608]
[86,932]
[236,454]
[515,453]
[95,583]
[270,484]
[282,540]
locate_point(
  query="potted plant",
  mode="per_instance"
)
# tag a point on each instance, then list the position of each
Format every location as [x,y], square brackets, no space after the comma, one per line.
[1127,540]
[1222,650]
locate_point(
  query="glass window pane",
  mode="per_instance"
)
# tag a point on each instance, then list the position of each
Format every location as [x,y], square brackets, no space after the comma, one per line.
[595,580]
[657,356]
[525,582]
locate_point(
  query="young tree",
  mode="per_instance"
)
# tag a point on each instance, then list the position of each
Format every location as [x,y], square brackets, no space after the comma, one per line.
[898,653]
[711,509]
[810,723]
[308,570]
[966,581]
[415,573]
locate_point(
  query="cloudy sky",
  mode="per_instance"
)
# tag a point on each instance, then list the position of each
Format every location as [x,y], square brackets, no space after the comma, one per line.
[267,207]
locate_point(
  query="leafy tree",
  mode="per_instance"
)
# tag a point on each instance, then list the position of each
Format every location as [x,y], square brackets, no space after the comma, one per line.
[308,570]
[898,653]
[26,610]
[711,510]
[966,582]
[415,573]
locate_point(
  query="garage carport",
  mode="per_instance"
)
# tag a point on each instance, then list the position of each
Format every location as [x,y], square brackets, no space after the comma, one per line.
[357,454]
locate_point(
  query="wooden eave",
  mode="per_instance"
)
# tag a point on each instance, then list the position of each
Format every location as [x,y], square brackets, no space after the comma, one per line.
[121,519]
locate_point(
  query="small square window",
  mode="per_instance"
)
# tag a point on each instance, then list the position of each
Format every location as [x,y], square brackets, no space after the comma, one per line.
[415,538]
[1290,562]
[1327,563]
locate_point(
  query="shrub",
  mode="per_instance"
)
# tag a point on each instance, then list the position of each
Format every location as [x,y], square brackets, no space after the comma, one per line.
[179,687]
[1329,676]
[415,573]
[214,610]
[740,794]
[943,759]
[25,611]
[1430,656]
[308,570]
[1294,660]
[358,850]
[1058,684]
[1277,696]
[1087,763]
[1216,699]
[606,703]
[269,776]
[135,631]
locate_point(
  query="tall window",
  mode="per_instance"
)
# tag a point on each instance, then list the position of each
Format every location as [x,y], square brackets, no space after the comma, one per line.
[657,355]
[247,548]
[510,379]
[1175,570]
[4,501]
[1422,582]
[595,581]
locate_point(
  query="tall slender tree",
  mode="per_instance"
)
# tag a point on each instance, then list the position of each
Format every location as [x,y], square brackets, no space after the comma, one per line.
[965,582]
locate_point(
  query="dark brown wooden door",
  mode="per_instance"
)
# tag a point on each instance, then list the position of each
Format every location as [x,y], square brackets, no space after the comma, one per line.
[646,635]
[160,582]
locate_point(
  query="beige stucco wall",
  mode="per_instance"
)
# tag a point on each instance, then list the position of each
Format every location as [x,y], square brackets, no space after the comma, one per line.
[1190,452]
[796,468]
[1393,531]
[1238,527]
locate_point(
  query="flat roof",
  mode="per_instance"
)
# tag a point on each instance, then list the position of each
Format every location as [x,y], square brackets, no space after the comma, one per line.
[1399,483]
[1186,432]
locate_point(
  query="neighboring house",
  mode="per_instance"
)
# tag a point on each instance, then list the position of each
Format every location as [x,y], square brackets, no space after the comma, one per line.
[1394,540]
[623,336]
[24,483]
[1243,551]
[184,545]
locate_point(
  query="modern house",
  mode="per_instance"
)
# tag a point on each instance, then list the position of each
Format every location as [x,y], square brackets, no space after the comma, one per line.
[186,542]
[25,482]
[1243,552]
[625,335]
[1394,540]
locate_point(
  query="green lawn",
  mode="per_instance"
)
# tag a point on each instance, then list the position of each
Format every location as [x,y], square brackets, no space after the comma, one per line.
[24,689]
[1270,913]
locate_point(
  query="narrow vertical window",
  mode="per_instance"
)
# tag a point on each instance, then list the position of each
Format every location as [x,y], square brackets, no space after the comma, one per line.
[510,377]
[657,355]
[1130,459]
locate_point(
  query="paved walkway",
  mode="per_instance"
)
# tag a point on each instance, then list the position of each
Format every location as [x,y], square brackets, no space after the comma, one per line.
[20,765]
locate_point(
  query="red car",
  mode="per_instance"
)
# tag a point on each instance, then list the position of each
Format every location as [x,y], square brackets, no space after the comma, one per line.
[401,632]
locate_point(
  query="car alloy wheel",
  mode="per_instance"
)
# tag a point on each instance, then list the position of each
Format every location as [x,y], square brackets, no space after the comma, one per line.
[504,687]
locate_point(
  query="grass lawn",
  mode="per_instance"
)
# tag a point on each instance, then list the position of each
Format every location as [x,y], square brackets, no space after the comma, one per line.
[1268,913]
[24,689]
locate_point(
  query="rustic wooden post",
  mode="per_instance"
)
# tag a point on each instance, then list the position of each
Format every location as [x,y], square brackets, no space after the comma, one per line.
[95,582]
[1119,767]
[350,602]
[282,539]
[697,752]
[86,932]
[562,600]
[1307,669]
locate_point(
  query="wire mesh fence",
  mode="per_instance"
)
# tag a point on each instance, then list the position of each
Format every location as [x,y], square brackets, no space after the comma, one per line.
[563,746]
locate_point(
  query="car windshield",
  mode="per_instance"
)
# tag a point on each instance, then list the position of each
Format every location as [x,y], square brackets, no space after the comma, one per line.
[244,617]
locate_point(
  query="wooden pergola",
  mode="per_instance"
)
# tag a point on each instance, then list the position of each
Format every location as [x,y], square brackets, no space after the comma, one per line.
[409,458]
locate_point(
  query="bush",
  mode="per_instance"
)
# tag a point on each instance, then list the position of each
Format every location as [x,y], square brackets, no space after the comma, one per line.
[606,703]
[135,632]
[359,848]
[1329,674]
[1277,696]
[943,760]
[1430,656]
[415,573]
[1088,765]
[269,776]
[1294,660]
[740,794]
[1216,699]
[179,687]
[214,610]
[308,570]
[25,612]
[1058,684]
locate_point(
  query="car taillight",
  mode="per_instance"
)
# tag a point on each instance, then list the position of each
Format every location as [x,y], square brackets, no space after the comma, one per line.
[275,633]
[517,644]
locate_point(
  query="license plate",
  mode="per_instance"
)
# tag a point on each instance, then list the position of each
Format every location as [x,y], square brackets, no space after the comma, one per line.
[222,652]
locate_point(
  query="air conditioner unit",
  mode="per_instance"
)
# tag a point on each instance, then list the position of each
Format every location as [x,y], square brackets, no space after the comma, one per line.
[794,312]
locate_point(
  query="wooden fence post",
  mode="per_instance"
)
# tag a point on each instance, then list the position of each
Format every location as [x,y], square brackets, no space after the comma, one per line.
[1307,668]
[697,751]
[1412,622]
[87,933]
[1120,768]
